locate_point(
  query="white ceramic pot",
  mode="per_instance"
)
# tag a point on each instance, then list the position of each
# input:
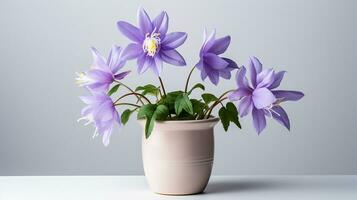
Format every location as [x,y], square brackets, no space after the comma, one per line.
[178,156]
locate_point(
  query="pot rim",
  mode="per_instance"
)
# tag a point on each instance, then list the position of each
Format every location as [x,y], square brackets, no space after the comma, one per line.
[190,121]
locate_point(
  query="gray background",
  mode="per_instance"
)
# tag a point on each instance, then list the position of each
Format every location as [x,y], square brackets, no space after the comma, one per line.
[43,44]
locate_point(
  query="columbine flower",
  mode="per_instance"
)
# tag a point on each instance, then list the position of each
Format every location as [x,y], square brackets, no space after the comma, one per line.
[152,45]
[102,113]
[103,73]
[260,98]
[210,64]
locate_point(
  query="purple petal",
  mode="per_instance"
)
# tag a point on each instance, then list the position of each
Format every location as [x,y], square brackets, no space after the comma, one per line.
[99,61]
[225,73]
[157,68]
[286,95]
[239,93]
[245,106]
[172,57]
[220,45]
[259,120]
[280,115]
[132,51]
[208,42]
[277,79]
[213,76]
[115,61]
[144,22]
[173,40]
[262,98]
[265,78]
[214,61]
[241,80]
[161,23]
[122,75]
[105,111]
[130,31]
[100,76]
[144,62]
[231,64]
[255,68]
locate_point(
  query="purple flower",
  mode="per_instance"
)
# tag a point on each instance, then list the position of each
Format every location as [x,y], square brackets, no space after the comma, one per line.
[210,64]
[103,73]
[260,98]
[152,45]
[102,113]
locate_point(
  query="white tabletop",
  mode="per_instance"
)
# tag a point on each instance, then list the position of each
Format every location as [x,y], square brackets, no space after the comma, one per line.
[219,187]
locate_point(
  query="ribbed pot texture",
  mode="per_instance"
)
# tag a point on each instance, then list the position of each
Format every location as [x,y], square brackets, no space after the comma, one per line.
[178,156]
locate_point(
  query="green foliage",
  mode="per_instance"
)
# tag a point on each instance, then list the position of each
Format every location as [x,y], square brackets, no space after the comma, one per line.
[198,85]
[169,100]
[148,89]
[126,115]
[208,98]
[182,102]
[198,108]
[113,89]
[152,112]
[229,114]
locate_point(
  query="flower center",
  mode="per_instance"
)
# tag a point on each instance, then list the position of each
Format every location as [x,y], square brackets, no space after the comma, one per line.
[82,79]
[151,43]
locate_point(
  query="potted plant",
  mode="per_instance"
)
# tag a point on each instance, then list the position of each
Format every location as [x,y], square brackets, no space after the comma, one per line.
[178,140]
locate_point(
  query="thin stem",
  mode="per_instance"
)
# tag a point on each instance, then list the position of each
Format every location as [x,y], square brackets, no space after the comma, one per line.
[132,93]
[162,86]
[218,101]
[188,78]
[126,104]
[131,90]
[214,105]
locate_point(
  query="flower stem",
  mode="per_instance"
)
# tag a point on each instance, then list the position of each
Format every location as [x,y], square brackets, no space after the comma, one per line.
[132,93]
[162,86]
[131,90]
[188,78]
[218,101]
[126,104]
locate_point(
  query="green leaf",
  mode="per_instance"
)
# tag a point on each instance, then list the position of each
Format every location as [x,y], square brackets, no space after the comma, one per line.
[148,89]
[113,89]
[208,98]
[182,102]
[169,100]
[198,107]
[229,114]
[224,116]
[233,113]
[146,111]
[198,85]
[125,116]
[160,113]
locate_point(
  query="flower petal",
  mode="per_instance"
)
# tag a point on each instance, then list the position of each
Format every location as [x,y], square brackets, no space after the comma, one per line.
[157,68]
[213,76]
[281,116]
[214,61]
[130,31]
[278,77]
[220,45]
[259,120]
[286,95]
[239,93]
[231,63]
[265,78]
[115,61]
[262,98]
[173,40]
[161,23]
[241,80]
[99,61]
[121,75]
[208,42]
[132,51]
[245,106]
[255,68]
[144,22]
[144,62]
[172,57]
